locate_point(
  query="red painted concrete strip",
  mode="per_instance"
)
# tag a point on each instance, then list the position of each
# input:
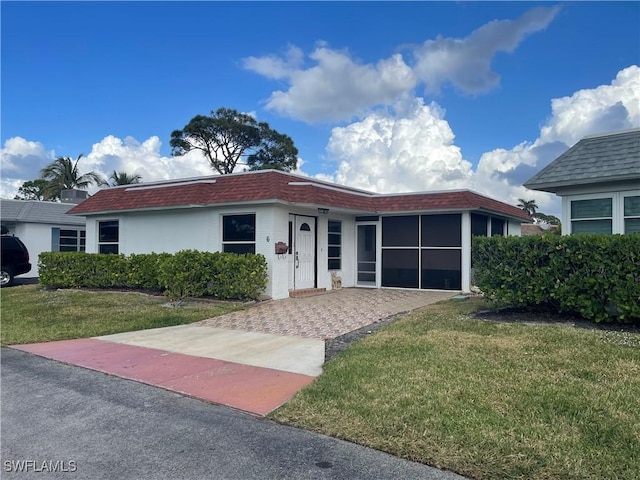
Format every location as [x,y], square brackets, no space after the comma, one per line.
[252,389]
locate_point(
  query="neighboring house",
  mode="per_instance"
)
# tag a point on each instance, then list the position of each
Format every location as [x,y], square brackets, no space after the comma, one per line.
[43,227]
[599,182]
[414,240]
[532,229]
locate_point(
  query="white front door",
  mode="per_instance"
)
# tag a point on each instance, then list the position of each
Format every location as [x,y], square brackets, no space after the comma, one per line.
[304,252]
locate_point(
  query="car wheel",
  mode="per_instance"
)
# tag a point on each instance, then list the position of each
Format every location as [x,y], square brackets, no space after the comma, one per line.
[6,277]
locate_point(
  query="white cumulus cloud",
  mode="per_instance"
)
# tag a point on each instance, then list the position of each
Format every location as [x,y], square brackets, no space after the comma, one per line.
[336,87]
[466,62]
[413,148]
[604,109]
[20,160]
[386,152]
[144,159]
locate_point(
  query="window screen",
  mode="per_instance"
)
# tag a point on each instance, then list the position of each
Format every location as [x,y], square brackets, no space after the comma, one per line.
[400,231]
[442,230]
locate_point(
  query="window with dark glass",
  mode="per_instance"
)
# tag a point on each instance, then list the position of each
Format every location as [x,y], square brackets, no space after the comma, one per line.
[67,240]
[70,241]
[334,245]
[400,231]
[239,233]
[442,230]
[479,225]
[497,227]
[108,236]
[592,216]
[632,214]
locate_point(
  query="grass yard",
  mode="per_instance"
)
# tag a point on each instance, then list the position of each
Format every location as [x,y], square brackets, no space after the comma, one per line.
[489,400]
[30,314]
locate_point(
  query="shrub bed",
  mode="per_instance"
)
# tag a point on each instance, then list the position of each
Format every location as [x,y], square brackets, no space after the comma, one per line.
[188,273]
[594,276]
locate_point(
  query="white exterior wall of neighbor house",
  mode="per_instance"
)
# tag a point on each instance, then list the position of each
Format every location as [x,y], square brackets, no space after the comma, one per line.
[514,229]
[37,239]
[590,192]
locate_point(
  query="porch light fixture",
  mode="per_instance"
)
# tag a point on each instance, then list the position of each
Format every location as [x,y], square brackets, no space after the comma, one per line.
[323,210]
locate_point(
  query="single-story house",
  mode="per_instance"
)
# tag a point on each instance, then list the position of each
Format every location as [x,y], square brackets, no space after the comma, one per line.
[43,227]
[310,231]
[599,182]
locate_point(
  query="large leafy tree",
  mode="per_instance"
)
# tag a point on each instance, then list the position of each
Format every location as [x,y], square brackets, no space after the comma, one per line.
[228,138]
[63,174]
[35,190]
[123,178]
[528,206]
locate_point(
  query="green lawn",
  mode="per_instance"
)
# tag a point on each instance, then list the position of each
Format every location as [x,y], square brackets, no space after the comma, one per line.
[30,314]
[484,399]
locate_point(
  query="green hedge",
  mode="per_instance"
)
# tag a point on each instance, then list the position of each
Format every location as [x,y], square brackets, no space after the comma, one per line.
[188,273]
[594,276]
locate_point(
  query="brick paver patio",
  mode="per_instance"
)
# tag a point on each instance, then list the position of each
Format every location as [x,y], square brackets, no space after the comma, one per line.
[328,315]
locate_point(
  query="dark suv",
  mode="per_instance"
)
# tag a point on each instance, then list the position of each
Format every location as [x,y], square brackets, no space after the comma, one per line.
[15,259]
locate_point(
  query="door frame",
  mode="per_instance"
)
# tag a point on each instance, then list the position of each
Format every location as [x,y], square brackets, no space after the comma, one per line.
[293,217]
[377,238]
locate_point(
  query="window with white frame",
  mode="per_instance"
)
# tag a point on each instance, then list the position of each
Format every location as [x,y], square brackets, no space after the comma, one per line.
[239,233]
[68,240]
[108,236]
[334,244]
[592,216]
[631,214]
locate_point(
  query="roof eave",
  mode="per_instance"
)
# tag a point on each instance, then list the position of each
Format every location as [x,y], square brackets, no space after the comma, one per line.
[553,187]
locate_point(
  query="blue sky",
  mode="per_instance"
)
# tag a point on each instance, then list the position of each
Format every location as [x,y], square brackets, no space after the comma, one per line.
[387,96]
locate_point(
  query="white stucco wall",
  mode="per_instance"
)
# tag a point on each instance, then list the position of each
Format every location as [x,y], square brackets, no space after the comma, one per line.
[200,229]
[37,239]
[514,229]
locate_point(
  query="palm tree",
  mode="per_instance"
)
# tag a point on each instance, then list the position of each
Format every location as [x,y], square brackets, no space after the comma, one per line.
[528,206]
[62,174]
[123,178]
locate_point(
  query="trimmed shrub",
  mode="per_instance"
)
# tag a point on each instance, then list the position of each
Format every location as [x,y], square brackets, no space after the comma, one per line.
[144,270]
[238,276]
[188,273]
[77,269]
[594,276]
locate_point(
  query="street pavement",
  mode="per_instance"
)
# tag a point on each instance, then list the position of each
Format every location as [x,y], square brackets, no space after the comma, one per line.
[61,421]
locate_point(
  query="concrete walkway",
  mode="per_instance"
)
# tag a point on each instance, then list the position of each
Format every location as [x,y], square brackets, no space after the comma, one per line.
[253,360]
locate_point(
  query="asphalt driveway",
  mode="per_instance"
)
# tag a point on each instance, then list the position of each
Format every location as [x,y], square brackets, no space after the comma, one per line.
[61,421]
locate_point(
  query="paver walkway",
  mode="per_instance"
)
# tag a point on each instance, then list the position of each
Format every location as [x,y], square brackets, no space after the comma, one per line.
[326,316]
[253,360]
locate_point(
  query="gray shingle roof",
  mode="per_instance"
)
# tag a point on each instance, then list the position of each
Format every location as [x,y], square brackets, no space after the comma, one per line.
[594,159]
[33,211]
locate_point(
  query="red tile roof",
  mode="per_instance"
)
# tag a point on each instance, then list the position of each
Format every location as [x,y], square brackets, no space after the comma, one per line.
[271,185]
